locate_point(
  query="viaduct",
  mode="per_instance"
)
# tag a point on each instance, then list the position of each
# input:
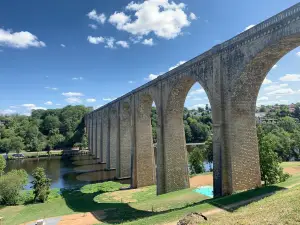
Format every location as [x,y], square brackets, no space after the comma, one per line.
[231,74]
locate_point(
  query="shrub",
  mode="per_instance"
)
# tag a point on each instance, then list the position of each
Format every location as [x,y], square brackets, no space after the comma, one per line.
[109,186]
[11,185]
[41,185]
[196,161]
[2,165]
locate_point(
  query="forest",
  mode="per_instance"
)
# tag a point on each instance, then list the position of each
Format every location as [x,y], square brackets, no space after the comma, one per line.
[44,130]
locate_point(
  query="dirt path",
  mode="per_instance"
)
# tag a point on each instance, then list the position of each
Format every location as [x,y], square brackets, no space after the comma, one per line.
[201,180]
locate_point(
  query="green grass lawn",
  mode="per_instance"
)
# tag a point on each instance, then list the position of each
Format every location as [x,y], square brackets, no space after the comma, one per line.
[290,164]
[280,208]
[132,206]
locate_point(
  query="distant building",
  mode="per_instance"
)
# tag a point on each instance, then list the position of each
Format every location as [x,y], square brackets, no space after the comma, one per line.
[292,108]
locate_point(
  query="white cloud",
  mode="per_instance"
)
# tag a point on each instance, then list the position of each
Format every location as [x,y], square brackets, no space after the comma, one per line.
[62,45]
[93,26]
[124,44]
[277,97]
[110,43]
[151,77]
[100,18]
[77,78]
[119,19]
[48,103]
[164,19]
[298,54]
[266,81]
[275,87]
[178,64]
[197,106]
[23,39]
[193,16]
[196,99]
[264,98]
[14,107]
[95,40]
[108,99]
[7,112]
[91,100]
[73,100]
[275,66]
[197,92]
[52,88]
[136,39]
[72,94]
[283,91]
[249,27]
[290,77]
[30,106]
[148,42]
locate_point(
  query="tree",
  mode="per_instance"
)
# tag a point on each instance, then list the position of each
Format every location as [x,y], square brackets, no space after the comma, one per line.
[5,145]
[271,171]
[11,185]
[188,133]
[16,144]
[50,123]
[2,165]
[41,185]
[196,161]
[289,124]
[56,141]
[208,152]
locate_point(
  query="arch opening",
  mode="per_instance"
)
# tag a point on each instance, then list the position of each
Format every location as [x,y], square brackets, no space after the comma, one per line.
[265,73]
[188,136]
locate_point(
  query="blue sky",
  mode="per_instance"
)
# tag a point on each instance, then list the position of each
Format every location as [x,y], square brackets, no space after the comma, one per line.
[57,52]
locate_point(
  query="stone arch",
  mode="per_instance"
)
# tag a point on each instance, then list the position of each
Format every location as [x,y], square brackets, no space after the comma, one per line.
[244,91]
[175,154]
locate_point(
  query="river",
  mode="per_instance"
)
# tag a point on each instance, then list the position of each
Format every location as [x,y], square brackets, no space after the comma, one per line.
[68,172]
[65,172]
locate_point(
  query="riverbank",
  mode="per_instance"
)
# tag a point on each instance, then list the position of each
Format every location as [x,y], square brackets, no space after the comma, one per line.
[138,206]
[44,154]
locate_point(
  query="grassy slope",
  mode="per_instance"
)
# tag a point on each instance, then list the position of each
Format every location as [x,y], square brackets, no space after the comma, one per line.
[168,207]
[281,208]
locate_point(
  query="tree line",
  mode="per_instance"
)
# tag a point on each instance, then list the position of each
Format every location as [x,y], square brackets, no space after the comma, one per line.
[44,130]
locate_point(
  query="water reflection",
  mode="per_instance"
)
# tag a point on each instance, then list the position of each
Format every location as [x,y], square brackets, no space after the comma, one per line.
[66,172]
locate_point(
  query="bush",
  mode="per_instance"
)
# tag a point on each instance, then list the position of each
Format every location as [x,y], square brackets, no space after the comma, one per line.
[109,186]
[271,171]
[2,165]
[11,185]
[41,185]
[196,161]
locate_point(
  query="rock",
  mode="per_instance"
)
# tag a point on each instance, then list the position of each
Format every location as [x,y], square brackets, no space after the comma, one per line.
[192,219]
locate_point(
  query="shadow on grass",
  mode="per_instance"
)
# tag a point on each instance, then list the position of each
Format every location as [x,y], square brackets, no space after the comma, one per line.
[116,213]
[233,202]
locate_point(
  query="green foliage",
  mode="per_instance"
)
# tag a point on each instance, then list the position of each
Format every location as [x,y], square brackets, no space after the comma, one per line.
[44,129]
[11,185]
[108,186]
[41,185]
[196,159]
[271,171]
[208,150]
[5,145]
[2,165]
